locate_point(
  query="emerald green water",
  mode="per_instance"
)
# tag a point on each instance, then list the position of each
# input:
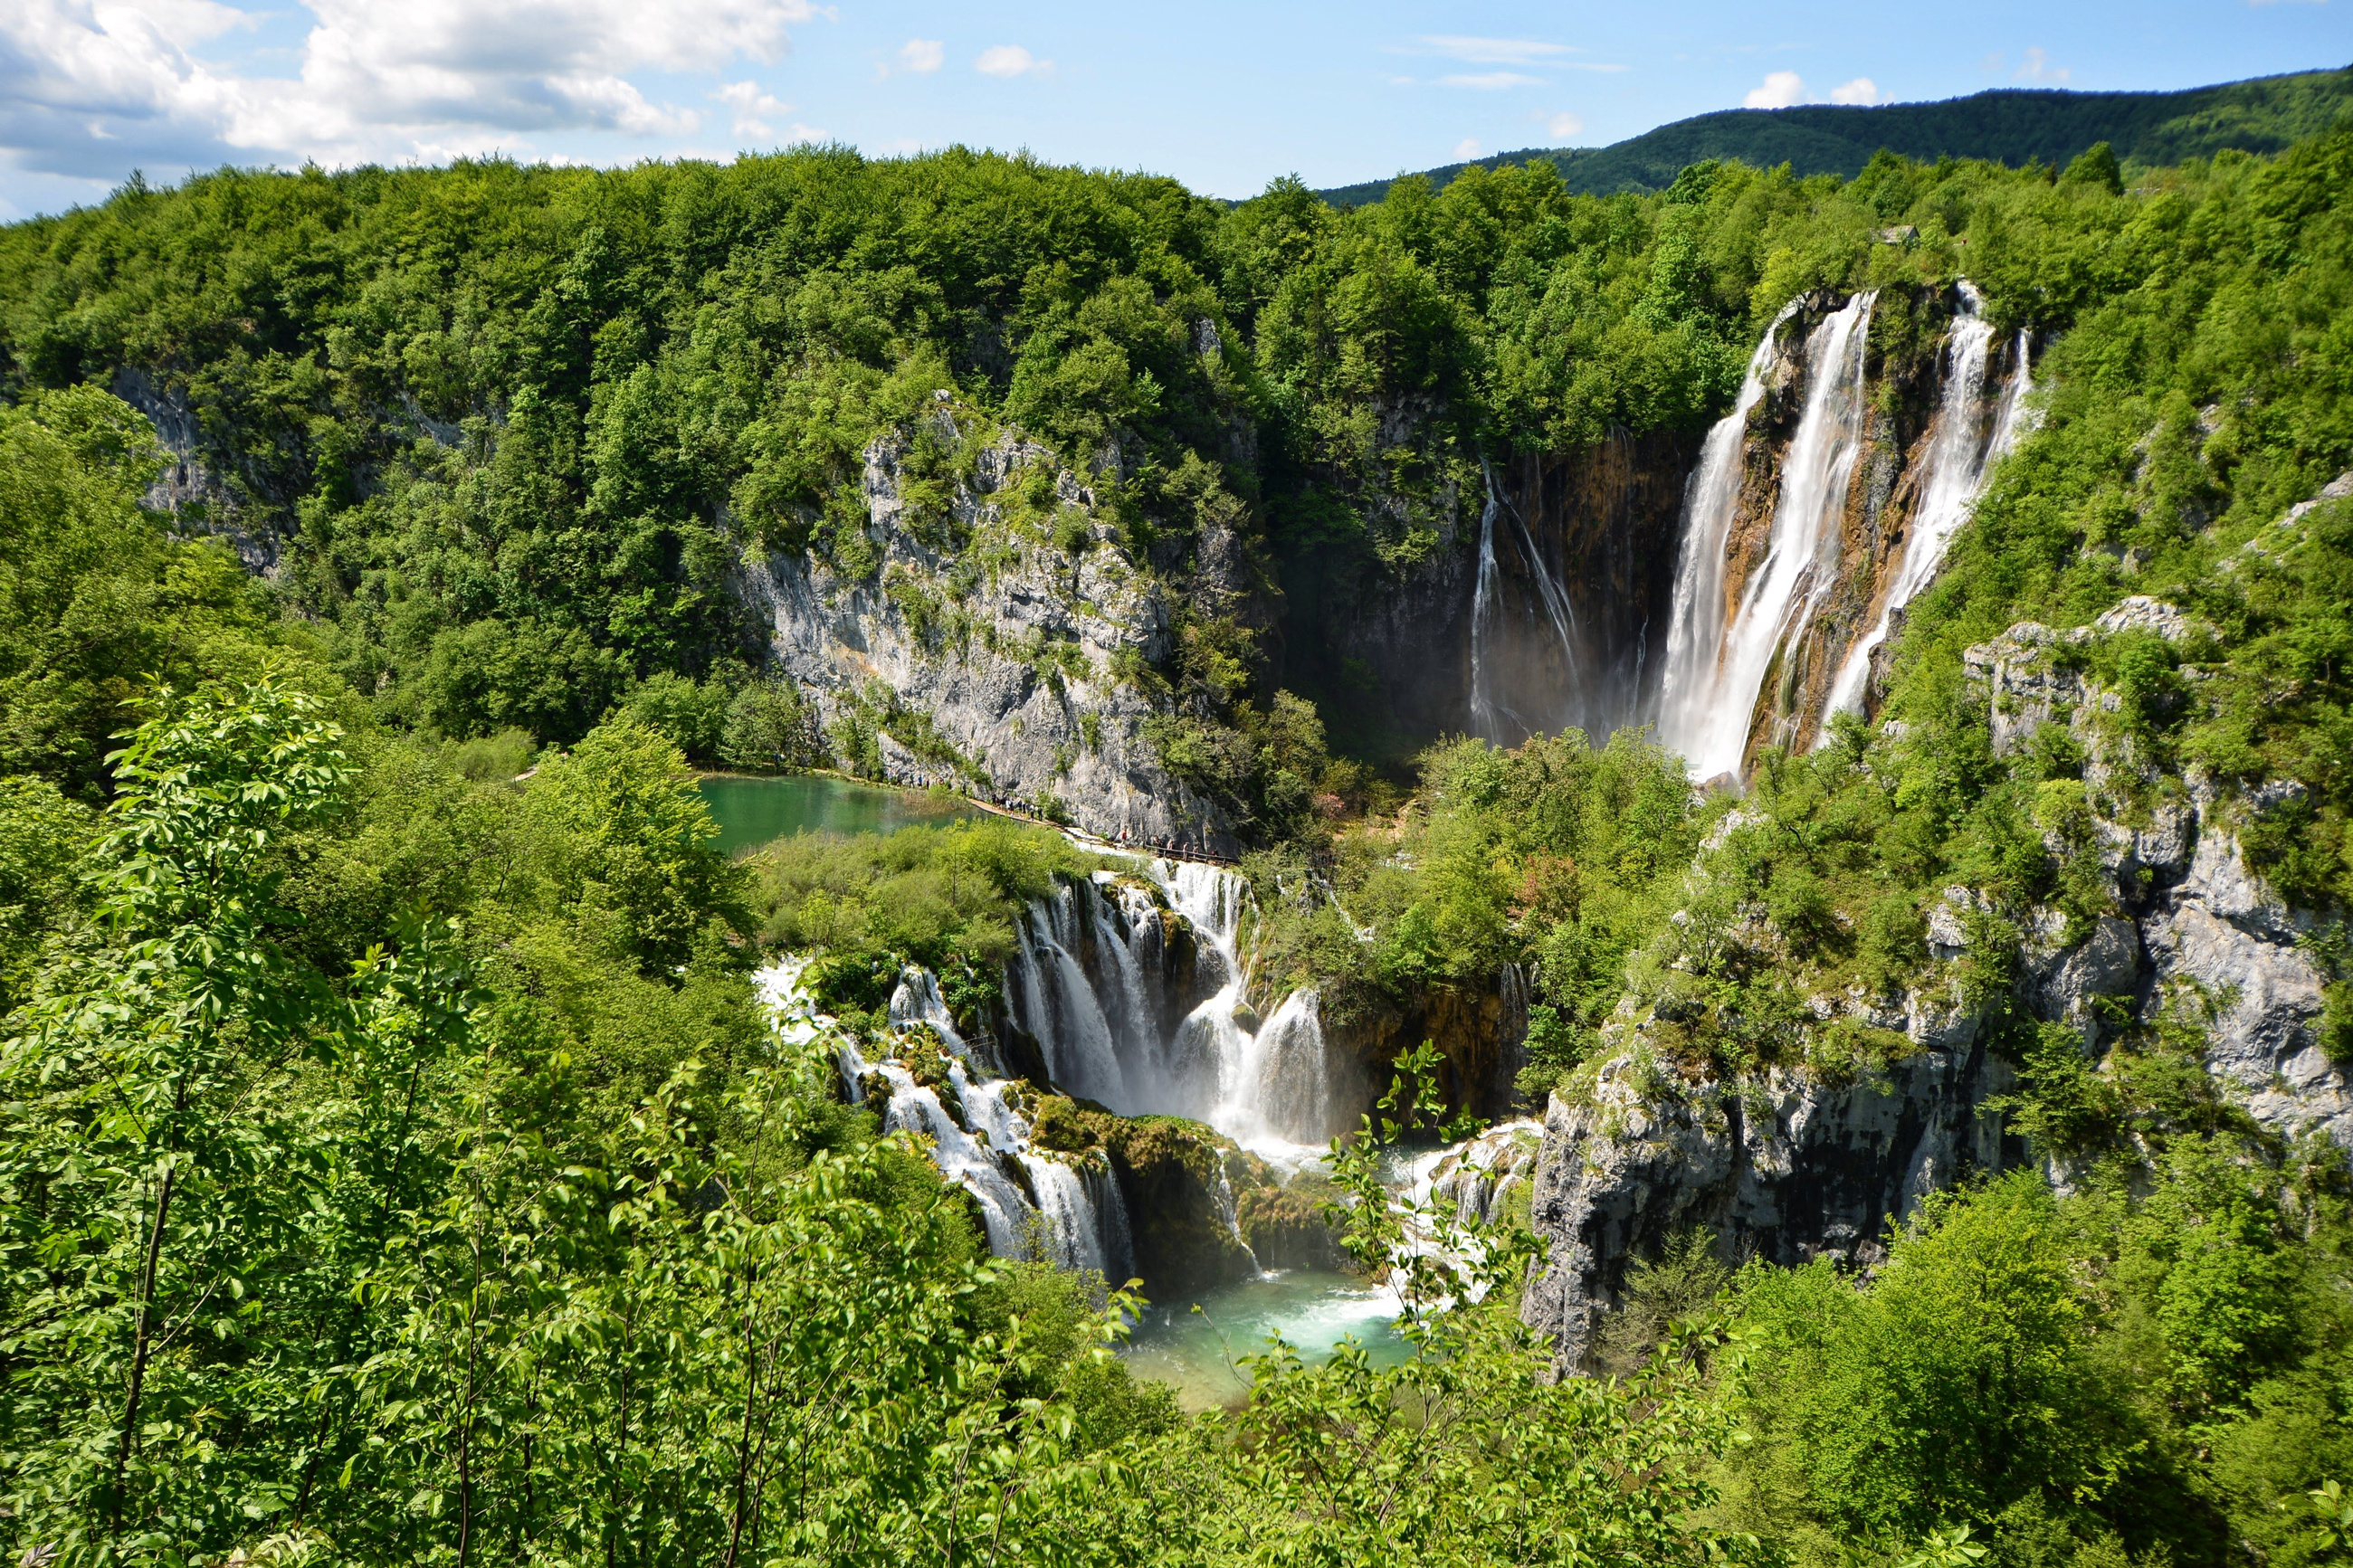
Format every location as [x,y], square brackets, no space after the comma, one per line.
[1198,1353]
[751,811]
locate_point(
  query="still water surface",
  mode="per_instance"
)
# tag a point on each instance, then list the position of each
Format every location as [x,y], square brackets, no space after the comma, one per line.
[751,811]
[1200,1353]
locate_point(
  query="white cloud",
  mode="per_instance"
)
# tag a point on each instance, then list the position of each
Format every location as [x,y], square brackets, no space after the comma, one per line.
[1564,126]
[1010,60]
[1492,82]
[753,111]
[1466,149]
[1780,90]
[2038,67]
[1862,89]
[921,54]
[90,87]
[1493,51]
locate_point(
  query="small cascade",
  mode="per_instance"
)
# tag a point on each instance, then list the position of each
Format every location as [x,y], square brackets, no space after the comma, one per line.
[1719,653]
[916,1002]
[1287,1077]
[1962,452]
[1072,1236]
[1137,1027]
[915,1108]
[1056,1003]
[1206,1052]
[1230,1212]
[1111,1211]
[1072,1212]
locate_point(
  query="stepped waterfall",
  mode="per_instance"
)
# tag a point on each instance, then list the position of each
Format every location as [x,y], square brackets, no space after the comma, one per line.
[1087,984]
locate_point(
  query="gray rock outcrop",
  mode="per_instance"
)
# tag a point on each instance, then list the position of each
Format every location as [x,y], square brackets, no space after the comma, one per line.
[1015,661]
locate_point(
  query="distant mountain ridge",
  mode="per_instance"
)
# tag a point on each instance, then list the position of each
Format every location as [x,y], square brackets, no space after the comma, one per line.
[2010,125]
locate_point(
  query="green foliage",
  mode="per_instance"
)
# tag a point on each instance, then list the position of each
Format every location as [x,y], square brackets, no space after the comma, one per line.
[42,837]
[2149,1367]
[97,603]
[940,897]
[523,422]
[636,842]
[1557,856]
[1957,1385]
[770,726]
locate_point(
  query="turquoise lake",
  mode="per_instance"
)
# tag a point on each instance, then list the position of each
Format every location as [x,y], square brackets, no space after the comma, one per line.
[1198,1353]
[753,811]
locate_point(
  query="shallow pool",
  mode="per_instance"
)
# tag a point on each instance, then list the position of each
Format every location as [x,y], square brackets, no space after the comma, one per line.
[1200,1353]
[751,811]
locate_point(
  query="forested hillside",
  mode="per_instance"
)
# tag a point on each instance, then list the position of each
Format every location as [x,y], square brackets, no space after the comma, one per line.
[2007,125]
[402,1155]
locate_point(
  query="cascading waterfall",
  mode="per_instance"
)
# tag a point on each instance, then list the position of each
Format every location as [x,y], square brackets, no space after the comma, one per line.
[1711,507]
[1077,983]
[1072,1212]
[1138,1028]
[1960,454]
[1485,722]
[1058,1006]
[1716,663]
[1287,1078]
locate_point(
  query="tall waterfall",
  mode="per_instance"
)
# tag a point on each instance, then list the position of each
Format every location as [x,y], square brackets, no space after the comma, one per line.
[1961,452]
[1719,650]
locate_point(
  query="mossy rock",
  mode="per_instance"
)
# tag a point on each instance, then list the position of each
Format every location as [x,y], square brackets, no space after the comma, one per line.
[1168,1170]
[1286,1227]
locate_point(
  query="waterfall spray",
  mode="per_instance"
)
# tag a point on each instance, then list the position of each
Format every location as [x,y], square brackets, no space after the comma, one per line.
[1490,718]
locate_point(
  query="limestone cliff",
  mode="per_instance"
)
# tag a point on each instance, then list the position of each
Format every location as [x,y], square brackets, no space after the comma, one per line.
[997,645]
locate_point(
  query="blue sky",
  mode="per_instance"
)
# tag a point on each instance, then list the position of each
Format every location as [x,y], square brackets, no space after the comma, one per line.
[1224,95]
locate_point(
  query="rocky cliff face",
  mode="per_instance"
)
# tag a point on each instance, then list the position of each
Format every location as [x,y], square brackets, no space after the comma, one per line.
[998,644]
[203,489]
[1793,1164]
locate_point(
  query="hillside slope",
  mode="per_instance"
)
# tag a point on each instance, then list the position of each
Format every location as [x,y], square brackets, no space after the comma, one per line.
[2009,126]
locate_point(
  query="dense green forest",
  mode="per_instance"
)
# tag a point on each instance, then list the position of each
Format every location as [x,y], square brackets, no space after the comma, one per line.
[2016,126]
[396,1164]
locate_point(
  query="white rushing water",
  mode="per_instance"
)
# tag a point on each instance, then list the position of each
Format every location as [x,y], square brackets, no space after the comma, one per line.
[1220,1070]
[1030,1201]
[1961,451]
[1718,654]
[1081,984]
